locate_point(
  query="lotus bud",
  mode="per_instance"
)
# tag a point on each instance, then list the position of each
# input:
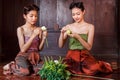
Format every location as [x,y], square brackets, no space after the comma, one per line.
[43,28]
[68,31]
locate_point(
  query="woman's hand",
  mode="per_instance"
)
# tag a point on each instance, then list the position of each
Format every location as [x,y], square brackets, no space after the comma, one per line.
[63,36]
[34,58]
[36,31]
[74,35]
[64,29]
[44,34]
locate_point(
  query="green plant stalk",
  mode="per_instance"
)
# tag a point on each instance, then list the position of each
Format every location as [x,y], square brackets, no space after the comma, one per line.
[46,42]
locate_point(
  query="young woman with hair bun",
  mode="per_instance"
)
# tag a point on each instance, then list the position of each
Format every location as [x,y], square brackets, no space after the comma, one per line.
[31,40]
[81,36]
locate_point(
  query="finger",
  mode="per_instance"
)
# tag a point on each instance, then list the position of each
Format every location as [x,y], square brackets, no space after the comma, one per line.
[71,35]
[29,57]
[63,31]
[33,59]
[37,58]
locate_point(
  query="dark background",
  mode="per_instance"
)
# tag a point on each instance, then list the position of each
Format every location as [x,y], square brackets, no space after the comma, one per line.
[104,14]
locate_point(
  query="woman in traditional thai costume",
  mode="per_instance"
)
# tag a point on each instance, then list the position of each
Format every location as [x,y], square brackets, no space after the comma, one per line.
[81,35]
[31,40]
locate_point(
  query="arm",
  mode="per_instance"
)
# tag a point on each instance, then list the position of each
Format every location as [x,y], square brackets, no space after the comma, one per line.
[88,45]
[63,37]
[43,38]
[24,46]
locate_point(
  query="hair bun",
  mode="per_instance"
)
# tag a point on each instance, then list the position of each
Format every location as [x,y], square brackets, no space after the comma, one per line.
[77,4]
[81,3]
[30,7]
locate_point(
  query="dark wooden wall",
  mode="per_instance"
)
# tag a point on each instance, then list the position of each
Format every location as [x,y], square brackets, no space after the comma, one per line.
[118,23]
[0,26]
[11,13]
[54,13]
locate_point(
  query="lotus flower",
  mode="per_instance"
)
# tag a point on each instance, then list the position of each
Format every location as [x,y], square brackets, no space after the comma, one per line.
[43,28]
[68,31]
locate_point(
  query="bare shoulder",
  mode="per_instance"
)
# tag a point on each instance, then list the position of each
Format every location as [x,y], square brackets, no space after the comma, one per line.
[69,25]
[90,26]
[20,29]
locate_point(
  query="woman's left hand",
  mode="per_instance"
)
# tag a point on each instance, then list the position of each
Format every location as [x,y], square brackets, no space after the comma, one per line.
[74,35]
[45,33]
[34,58]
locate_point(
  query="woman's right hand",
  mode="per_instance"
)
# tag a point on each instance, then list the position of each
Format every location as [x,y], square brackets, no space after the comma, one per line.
[63,36]
[64,29]
[36,31]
